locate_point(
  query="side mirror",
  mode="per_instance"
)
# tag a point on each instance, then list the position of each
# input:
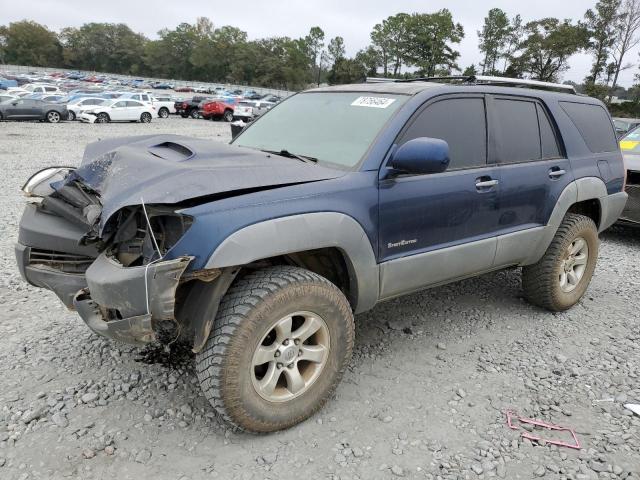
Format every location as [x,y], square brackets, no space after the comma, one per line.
[421,156]
[14,103]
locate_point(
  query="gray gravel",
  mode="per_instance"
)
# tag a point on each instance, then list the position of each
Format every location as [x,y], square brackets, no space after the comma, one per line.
[424,397]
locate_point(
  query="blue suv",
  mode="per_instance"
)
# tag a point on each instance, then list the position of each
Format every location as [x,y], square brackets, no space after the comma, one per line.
[259,253]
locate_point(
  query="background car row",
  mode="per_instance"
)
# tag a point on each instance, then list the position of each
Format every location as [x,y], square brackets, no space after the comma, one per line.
[101,99]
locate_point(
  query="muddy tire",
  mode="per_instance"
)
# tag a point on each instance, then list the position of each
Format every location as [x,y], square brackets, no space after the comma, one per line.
[279,347]
[560,278]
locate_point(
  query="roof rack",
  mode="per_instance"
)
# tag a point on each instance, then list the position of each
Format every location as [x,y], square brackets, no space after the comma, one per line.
[484,80]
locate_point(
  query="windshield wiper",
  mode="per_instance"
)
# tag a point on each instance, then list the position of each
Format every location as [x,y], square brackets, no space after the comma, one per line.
[288,154]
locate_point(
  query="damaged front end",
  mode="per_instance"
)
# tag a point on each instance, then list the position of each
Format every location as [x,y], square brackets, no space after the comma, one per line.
[117,277]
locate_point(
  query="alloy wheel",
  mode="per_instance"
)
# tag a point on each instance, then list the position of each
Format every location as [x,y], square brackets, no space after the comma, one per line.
[574,264]
[290,357]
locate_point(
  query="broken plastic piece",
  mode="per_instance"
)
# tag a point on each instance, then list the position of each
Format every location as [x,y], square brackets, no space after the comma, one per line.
[634,407]
[549,426]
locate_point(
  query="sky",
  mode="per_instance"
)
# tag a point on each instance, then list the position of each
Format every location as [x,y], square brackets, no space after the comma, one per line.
[350,19]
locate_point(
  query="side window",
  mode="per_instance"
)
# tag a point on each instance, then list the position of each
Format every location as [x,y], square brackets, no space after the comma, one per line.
[547,135]
[133,104]
[461,122]
[516,129]
[50,89]
[120,105]
[594,124]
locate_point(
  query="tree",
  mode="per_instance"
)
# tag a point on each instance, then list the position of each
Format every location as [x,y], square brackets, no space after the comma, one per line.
[390,39]
[626,38]
[493,38]
[470,71]
[336,49]
[29,43]
[346,70]
[315,44]
[602,25]
[513,41]
[547,46]
[370,59]
[106,47]
[428,39]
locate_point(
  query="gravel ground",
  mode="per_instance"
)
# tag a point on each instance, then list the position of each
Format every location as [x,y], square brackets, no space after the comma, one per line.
[425,395]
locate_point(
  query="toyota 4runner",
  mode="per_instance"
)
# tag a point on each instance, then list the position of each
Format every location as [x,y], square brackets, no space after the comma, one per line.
[259,253]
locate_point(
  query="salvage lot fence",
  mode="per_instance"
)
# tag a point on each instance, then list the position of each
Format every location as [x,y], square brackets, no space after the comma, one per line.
[25,69]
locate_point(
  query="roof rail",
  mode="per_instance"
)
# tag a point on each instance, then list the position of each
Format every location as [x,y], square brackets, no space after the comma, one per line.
[484,80]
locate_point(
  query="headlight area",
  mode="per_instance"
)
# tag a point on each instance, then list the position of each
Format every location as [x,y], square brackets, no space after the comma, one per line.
[131,241]
[131,287]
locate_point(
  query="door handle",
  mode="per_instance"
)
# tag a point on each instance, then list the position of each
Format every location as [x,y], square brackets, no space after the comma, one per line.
[486,183]
[556,172]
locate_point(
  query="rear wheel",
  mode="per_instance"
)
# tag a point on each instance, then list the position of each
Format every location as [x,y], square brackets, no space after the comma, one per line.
[71,115]
[560,278]
[163,112]
[281,342]
[227,116]
[52,117]
[102,118]
[194,113]
[145,117]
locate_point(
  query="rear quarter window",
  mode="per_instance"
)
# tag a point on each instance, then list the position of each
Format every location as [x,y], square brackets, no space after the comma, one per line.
[594,124]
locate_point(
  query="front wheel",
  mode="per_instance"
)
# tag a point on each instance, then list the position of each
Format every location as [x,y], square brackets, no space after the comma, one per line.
[281,342]
[194,114]
[145,117]
[560,278]
[228,116]
[53,117]
[102,118]
[71,115]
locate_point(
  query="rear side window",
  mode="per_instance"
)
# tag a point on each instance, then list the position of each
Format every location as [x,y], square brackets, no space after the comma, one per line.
[518,136]
[461,122]
[594,124]
[547,136]
[133,104]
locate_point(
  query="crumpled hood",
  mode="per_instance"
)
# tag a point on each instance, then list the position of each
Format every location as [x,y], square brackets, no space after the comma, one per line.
[168,169]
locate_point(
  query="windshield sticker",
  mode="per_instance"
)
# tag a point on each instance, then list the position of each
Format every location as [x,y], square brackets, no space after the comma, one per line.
[375,102]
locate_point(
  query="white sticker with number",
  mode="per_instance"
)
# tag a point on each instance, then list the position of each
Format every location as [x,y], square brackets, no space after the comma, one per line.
[375,102]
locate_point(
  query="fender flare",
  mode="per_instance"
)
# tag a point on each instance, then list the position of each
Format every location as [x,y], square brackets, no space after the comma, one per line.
[309,231]
[581,189]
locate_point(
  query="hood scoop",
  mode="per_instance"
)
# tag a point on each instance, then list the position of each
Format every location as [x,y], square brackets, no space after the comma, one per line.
[171,151]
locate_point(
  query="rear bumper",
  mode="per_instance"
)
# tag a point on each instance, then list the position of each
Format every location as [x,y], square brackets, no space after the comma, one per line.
[612,207]
[631,212]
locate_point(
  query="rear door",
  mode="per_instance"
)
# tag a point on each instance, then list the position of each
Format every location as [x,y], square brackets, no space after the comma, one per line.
[533,170]
[134,110]
[119,111]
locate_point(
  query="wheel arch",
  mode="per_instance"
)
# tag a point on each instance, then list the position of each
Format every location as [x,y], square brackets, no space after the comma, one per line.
[295,236]
[587,196]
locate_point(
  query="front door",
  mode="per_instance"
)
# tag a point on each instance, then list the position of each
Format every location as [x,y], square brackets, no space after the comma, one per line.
[438,227]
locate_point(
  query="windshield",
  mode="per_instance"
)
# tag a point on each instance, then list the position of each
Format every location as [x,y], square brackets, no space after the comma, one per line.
[333,127]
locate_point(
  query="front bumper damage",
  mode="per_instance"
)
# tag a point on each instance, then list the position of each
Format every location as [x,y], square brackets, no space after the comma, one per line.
[128,303]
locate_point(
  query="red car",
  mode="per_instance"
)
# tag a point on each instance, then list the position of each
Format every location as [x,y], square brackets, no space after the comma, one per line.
[218,109]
